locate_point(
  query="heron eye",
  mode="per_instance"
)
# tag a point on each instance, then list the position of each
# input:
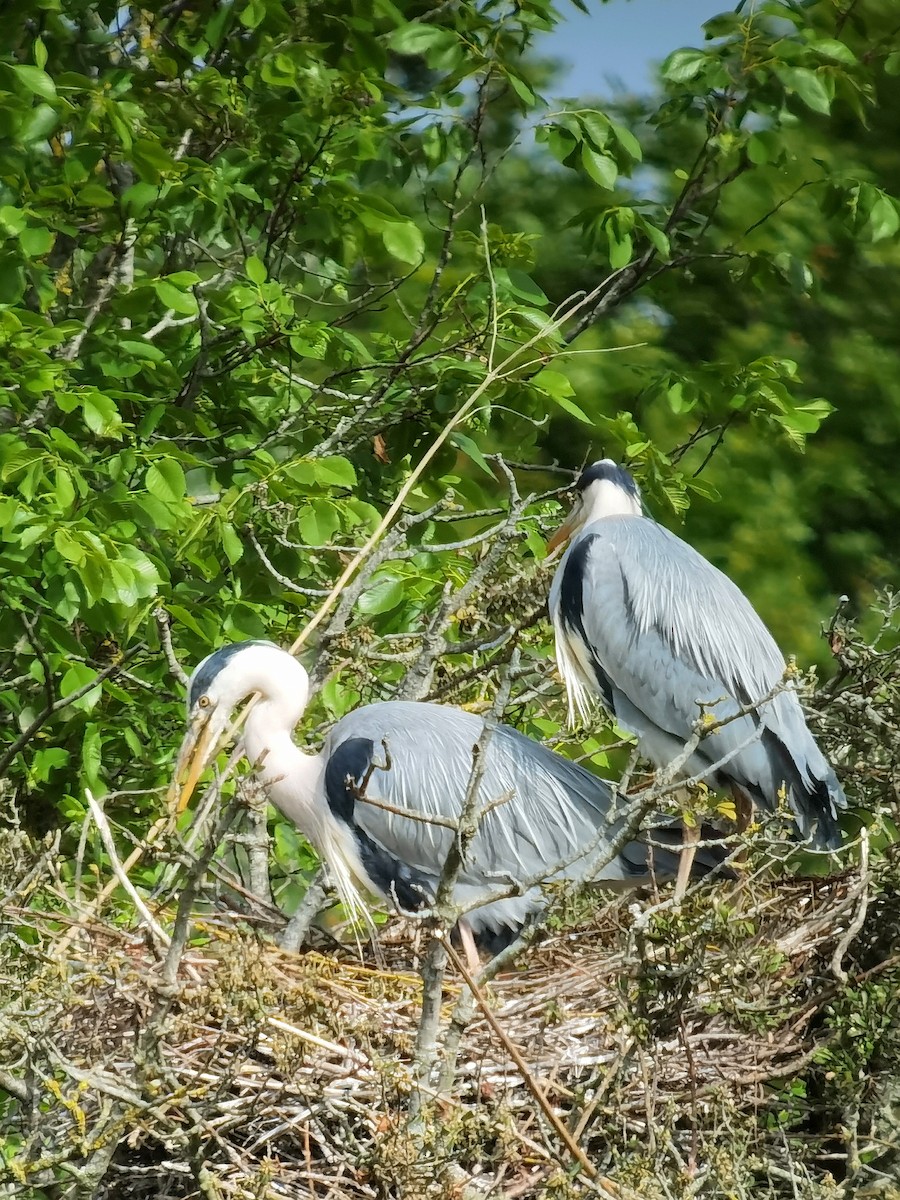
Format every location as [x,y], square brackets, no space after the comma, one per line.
[204,701]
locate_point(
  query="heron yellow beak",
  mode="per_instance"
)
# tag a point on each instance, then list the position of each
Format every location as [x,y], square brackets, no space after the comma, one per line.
[565,531]
[197,749]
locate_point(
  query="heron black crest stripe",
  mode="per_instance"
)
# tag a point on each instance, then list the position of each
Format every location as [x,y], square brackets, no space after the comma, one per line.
[214,664]
[608,471]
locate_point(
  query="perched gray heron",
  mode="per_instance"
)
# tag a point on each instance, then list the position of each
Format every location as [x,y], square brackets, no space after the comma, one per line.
[643,621]
[541,812]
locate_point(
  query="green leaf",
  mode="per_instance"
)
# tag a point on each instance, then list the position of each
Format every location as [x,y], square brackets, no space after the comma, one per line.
[334,471]
[627,141]
[523,287]
[165,481]
[684,65]
[470,449]
[657,238]
[430,42]
[101,415]
[382,597]
[67,546]
[404,241]
[36,241]
[119,588]
[252,14]
[522,90]
[46,761]
[601,168]
[37,81]
[172,297]
[78,676]
[318,522]
[183,617]
[12,220]
[837,51]
[151,159]
[146,578]
[598,127]
[569,406]
[809,86]
[231,543]
[883,220]
[620,247]
[39,124]
[255,270]
[94,195]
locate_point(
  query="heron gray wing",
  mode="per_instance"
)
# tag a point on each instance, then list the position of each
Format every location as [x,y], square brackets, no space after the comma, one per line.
[542,808]
[653,626]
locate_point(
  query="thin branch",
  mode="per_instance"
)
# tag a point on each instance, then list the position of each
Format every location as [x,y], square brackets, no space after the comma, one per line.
[862,890]
[110,847]
[164,625]
[522,1066]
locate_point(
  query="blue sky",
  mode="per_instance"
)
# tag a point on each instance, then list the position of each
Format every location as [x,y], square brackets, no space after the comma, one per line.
[617,45]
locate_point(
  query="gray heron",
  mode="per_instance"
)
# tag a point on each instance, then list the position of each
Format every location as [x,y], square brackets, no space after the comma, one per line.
[540,809]
[644,622]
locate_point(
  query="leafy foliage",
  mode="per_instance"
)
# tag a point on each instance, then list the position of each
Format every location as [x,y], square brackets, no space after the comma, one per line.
[256,258]
[246,281]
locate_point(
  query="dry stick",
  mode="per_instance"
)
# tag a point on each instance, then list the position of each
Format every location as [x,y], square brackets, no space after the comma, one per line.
[118,870]
[436,957]
[856,924]
[165,636]
[257,842]
[528,1079]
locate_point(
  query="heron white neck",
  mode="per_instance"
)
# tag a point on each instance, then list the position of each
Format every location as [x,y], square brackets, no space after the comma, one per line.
[291,777]
[603,498]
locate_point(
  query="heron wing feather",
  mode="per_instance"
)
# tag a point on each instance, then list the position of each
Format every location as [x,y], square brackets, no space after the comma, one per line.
[539,808]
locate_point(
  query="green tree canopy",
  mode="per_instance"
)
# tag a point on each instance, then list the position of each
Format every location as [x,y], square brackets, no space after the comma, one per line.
[257,256]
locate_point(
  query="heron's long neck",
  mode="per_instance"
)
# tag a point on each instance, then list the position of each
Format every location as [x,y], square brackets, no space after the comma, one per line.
[291,777]
[603,498]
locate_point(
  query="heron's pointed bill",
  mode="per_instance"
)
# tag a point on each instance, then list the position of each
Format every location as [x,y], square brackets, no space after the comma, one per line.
[197,749]
[565,530]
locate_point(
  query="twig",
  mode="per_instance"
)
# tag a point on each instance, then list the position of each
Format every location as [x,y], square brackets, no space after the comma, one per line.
[118,870]
[164,625]
[862,890]
[528,1079]
[298,926]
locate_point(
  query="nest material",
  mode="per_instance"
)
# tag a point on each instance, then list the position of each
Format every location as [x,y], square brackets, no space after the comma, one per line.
[282,1075]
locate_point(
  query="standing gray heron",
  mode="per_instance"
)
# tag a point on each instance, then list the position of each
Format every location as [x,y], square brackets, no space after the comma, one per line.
[643,621]
[539,808]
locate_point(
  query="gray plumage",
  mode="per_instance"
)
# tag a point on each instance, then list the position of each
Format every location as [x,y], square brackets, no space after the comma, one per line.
[543,815]
[653,628]
[552,809]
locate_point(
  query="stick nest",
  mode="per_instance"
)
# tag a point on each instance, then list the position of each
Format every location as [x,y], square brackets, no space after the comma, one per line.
[711,1050]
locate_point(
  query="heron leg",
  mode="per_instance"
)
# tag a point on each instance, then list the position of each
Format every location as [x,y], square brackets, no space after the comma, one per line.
[473,959]
[743,807]
[690,838]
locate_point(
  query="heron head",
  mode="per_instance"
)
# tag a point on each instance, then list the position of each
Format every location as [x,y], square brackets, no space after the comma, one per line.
[217,686]
[604,489]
